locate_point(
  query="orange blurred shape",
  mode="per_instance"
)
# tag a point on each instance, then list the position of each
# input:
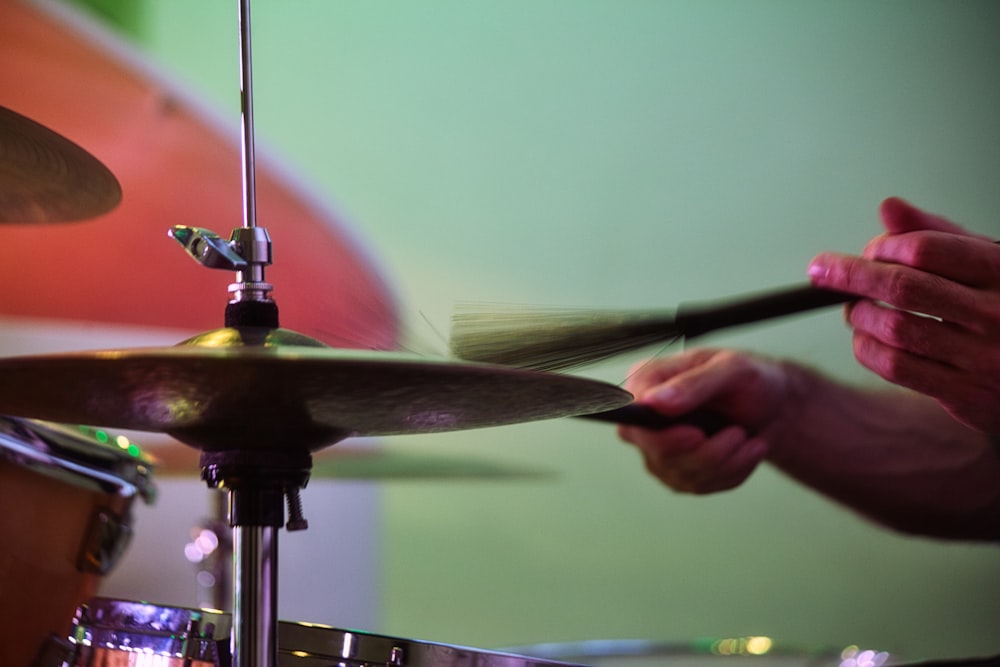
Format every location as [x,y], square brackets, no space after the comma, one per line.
[177,164]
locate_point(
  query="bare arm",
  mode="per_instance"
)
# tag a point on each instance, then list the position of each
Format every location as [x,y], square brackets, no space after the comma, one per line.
[919,462]
[892,455]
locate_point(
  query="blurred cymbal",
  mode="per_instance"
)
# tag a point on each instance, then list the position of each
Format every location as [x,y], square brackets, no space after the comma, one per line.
[279,397]
[177,156]
[45,177]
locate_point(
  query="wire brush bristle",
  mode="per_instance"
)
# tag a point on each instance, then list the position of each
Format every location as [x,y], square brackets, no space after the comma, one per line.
[550,339]
[547,339]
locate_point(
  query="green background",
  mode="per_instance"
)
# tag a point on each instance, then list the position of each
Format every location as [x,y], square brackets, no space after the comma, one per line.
[631,153]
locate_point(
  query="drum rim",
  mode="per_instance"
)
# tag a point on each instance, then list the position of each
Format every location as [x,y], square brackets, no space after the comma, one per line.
[77,456]
[104,615]
[721,646]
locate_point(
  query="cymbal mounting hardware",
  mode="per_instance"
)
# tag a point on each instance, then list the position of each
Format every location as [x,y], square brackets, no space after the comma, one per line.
[296,520]
[246,252]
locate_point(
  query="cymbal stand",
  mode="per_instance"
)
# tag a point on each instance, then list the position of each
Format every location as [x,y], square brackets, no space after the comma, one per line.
[257,483]
[259,476]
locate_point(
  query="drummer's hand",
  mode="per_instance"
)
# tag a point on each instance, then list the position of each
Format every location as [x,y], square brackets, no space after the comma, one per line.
[926,264]
[749,390]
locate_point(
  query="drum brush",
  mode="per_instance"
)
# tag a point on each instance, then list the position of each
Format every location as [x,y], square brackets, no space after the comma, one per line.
[546,339]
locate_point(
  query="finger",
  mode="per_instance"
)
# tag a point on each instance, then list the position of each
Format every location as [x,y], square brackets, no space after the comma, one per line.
[713,464]
[652,372]
[968,260]
[740,465]
[921,336]
[927,376]
[904,287]
[661,450]
[722,462]
[674,441]
[965,398]
[899,216]
[662,373]
[721,373]
[968,397]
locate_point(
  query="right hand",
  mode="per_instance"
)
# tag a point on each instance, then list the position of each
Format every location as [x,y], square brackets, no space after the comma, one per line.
[926,264]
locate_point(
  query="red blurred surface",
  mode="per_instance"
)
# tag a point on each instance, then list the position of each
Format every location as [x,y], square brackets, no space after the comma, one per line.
[177,164]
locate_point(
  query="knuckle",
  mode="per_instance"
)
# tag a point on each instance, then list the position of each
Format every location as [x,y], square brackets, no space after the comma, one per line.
[988,314]
[845,273]
[893,365]
[899,288]
[894,328]
[920,250]
[887,362]
[739,362]
[909,333]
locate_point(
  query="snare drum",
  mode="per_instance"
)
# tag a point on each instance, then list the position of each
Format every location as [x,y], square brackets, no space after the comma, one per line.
[119,633]
[65,518]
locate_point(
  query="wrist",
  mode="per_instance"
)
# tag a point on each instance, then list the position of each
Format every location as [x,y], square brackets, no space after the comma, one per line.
[788,429]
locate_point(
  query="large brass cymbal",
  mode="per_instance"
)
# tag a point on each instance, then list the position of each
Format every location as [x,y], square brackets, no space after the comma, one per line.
[285,397]
[45,177]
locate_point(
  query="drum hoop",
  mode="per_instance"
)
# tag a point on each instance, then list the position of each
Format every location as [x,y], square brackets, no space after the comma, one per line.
[724,647]
[57,451]
[124,625]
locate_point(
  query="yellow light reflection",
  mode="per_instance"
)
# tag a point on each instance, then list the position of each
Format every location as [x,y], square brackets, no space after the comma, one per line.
[759,645]
[752,645]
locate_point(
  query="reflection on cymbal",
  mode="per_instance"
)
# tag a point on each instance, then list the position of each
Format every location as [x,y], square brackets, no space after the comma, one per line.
[285,397]
[45,177]
[349,462]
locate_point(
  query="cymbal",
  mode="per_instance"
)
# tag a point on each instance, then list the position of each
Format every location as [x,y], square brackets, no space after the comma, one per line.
[45,177]
[277,397]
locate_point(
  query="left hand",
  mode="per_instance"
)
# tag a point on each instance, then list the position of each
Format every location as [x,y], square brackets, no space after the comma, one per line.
[925,265]
[749,390]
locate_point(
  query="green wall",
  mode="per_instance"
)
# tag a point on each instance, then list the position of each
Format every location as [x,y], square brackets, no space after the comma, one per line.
[629,153]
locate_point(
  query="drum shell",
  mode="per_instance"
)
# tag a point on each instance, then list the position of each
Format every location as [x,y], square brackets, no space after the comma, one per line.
[57,515]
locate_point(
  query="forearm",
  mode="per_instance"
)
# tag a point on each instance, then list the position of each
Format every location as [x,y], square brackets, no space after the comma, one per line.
[892,455]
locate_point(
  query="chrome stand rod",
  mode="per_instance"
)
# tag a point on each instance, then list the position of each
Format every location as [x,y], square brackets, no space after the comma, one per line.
[246,112]
[256,482]
[255,599]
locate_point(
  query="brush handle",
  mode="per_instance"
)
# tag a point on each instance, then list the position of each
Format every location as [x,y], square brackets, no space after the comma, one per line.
[637,414]
[696,319]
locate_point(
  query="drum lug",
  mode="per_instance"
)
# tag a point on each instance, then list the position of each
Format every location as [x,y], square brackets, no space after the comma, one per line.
[106,539]
[200,644]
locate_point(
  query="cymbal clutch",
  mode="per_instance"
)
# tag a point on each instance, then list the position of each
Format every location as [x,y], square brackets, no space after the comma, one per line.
[246,252]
